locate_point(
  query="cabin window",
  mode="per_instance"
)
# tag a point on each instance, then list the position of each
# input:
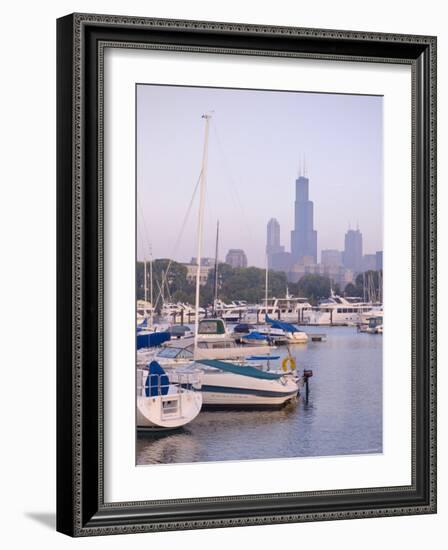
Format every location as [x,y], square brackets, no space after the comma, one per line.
[169,353]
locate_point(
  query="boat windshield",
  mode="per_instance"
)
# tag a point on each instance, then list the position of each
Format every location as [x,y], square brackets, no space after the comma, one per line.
[211,327]
[172,353]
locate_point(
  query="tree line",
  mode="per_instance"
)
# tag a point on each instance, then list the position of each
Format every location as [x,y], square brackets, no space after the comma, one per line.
[242,284]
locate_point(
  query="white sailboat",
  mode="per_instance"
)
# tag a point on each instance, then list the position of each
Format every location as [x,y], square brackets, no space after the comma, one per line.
[225,383]
[163,404]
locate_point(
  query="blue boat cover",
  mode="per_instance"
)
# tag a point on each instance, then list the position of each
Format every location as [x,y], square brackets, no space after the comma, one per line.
[151,339]
[243,370]
[254,335]
[287,327]
[157,382]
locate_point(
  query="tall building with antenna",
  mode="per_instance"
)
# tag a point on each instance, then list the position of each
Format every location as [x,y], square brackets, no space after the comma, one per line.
[303,236]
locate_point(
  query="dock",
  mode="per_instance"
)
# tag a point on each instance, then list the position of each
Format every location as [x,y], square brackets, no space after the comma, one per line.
[314,337]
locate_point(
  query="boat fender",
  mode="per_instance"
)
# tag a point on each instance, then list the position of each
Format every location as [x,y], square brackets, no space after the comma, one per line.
[289,361]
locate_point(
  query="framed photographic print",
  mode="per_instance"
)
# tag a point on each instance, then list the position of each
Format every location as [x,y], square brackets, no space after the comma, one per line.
[246,274]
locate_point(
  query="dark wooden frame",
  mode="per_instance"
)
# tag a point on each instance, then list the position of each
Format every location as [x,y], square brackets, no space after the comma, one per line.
[81,509]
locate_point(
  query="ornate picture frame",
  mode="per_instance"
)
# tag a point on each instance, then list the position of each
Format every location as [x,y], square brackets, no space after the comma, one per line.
[81,506]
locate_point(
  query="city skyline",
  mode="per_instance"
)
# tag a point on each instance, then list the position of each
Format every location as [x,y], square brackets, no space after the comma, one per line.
[257,142]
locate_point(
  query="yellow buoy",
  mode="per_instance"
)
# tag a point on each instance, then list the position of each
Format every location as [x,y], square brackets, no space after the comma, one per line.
[289,361]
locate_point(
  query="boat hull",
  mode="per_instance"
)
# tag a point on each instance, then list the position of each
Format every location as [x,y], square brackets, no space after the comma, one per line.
[216,397]
[224,389]
[167,412]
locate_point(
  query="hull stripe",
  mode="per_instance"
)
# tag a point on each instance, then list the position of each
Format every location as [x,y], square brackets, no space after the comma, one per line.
[247,391]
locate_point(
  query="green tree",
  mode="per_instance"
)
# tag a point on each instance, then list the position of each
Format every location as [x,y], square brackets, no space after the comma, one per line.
[314,287]
[351,290]
[172,283]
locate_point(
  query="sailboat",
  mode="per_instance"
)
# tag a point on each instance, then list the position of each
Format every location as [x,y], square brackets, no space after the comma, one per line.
[163,404]
[225,383]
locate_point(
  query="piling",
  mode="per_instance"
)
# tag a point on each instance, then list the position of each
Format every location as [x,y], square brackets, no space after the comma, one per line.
[307,374]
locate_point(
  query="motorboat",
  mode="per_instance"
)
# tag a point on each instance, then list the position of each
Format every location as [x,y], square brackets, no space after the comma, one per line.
[232,312]
[337,310]
[213,342]
[226,384]
[180,331]
[375,325]
[289,309]
[279,331]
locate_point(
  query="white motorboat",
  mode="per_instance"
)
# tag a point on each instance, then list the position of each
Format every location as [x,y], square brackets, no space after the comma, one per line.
[225,384]
[279,330]
[213,342]
[375,310]
[163,404]
[337,310]
[375,325]
[290,309]
[232,312]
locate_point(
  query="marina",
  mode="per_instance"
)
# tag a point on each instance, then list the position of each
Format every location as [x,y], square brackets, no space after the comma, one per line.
[251,378]
[343,413]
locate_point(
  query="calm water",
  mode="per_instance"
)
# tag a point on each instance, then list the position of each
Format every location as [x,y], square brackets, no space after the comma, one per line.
[343,414]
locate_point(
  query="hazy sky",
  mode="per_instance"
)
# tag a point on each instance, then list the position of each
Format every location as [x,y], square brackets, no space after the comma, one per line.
[257,140]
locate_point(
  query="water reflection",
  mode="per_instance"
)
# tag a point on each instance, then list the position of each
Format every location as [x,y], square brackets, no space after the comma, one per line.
[343,415]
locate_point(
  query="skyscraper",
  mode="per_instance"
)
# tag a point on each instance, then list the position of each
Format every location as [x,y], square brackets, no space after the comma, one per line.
[379,260]
[273,237]
[303,236]
[274,250]
[331,258]
[353,250]
[236,258]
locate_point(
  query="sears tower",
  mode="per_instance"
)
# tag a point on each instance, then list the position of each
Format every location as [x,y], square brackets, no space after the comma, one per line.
[303,236]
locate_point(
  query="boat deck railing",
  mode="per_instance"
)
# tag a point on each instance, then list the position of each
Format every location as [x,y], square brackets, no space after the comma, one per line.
[164,385]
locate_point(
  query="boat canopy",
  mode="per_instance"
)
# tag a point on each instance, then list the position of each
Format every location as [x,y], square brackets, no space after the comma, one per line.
[151,339]
[287,327]
[211,326]
[255,335]
[252,372]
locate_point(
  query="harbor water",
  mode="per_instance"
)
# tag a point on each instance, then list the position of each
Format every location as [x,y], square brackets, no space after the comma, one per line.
[343,414]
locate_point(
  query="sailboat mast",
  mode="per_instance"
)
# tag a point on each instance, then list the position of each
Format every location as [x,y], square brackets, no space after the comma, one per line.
[266,283]
[203,181]
[215,295]
[145,282]
[151,293]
